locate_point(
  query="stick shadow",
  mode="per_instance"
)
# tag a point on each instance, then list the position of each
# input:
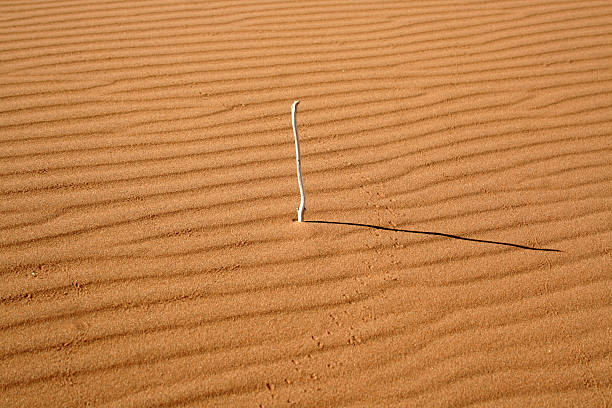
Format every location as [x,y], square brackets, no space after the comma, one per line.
[438,234]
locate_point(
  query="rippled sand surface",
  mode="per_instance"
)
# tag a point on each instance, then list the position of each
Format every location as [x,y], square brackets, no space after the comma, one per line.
[457,159]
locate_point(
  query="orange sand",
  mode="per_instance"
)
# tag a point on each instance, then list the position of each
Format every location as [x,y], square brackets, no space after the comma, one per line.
[148,253]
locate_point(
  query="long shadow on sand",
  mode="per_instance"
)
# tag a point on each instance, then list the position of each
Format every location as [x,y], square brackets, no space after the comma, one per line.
[439,234]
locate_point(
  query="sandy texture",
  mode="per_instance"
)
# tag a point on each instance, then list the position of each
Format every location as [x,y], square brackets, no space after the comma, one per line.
[457,160]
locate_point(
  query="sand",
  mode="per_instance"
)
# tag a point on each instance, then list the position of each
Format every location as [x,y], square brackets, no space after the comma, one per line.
[457,160]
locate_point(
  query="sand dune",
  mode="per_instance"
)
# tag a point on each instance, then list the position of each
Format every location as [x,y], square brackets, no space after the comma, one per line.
[457,159]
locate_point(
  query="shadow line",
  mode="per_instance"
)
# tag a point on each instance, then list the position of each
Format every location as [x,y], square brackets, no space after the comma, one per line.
[439,234]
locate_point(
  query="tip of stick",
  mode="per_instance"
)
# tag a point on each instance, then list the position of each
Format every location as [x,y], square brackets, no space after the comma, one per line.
[296,102]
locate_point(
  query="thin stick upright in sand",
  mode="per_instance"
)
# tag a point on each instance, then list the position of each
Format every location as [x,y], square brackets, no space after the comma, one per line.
[300,210]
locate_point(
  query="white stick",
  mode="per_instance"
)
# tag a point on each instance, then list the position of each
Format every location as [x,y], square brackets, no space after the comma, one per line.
[300,210]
